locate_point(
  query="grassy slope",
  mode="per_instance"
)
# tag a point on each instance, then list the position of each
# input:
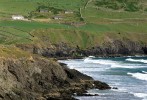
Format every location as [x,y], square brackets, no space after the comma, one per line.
[8,7]
[101,23]
[84,38]
[13,52]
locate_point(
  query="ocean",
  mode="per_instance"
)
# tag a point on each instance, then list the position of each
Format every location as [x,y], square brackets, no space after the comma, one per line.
[128,74]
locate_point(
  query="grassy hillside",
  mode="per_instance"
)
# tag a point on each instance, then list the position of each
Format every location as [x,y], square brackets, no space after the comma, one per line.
[13,52]
[127,5]
[101,20]
[85,39]
[87,35]
[24,7]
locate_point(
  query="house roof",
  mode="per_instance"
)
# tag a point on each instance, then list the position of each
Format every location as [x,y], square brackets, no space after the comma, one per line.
[58,17]
[68,11]
[17,16]
[43,10]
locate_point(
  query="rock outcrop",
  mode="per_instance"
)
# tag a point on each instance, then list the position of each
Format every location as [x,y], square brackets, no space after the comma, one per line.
[113,48]
[118,47]
[39,78]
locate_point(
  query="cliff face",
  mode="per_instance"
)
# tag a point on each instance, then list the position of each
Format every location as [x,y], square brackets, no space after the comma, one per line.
[118,47]
[40,78]
[29,78]
[32,77]
[108,48]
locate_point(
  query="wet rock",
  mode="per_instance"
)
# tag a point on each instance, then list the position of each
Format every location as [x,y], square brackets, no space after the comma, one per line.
[144,49]
[86,94]
[101,85]
[114,88]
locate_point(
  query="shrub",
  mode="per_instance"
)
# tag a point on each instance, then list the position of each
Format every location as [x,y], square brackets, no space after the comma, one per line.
[127,5]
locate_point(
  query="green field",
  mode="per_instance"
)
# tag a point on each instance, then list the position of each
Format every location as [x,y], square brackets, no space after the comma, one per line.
[13,32]
[100,22]
[24,7]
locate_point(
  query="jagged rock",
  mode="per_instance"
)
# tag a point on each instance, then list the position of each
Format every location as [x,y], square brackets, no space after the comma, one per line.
[144,49]
[114,88]
[41,78]
[101,85]
[114,48]
[84,94]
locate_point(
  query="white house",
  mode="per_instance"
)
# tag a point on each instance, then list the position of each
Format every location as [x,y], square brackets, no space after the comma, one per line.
[18,17]
[68,12]
[57,17]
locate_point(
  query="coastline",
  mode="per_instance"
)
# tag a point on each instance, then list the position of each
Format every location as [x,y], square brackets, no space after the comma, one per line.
[109,56]
[37,76]
[46,77]
[102,43]
[43,79]
[125,73]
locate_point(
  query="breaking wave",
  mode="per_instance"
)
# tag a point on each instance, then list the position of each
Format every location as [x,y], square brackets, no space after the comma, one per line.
[136,60]
[141,95]
[141,76]
[97,61]
[112,64]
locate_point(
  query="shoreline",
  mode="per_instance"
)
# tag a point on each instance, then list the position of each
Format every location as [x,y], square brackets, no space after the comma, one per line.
[90,84]
[110,56]
[72,64]
[40,78]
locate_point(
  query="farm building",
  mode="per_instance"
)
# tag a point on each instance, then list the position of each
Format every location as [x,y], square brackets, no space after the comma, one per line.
[43,10]
[68,12]
[18,17]
[57,17]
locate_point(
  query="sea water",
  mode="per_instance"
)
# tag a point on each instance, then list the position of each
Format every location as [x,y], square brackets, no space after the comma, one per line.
[128,74]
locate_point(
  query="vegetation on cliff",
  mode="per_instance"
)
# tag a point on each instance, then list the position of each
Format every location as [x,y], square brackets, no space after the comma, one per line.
[98,24]
[127,5]
[95,27]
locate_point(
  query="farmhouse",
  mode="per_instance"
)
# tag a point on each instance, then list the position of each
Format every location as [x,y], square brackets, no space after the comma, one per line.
[57,17]
[17,17]
[68,12]
[43,10]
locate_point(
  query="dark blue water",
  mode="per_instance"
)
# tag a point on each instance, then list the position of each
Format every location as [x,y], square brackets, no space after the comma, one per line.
[129,74]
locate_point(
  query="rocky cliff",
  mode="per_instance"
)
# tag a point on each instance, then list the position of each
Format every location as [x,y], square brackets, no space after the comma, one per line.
[38,78]
[108,48]
[27,71]
[118,47]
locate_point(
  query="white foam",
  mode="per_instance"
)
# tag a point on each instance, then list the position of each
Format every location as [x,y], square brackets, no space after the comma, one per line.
[91,57]
[98,61]
[141,76]
[89,69]
[112,64]
[122,66]
[127,66]
[71,67]
[144,72]
[141,95]
[136,60]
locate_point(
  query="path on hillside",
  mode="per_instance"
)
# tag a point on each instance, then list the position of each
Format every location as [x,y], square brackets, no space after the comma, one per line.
[84,8]
[87,3]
